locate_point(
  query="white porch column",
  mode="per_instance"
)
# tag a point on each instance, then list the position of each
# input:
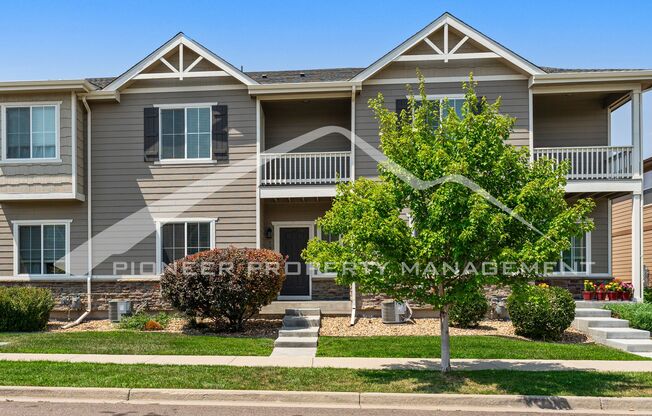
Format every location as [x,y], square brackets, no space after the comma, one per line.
[637,136]
[637,245]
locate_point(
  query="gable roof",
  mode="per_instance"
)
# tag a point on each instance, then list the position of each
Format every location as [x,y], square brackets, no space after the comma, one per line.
[179,39]
[452,21]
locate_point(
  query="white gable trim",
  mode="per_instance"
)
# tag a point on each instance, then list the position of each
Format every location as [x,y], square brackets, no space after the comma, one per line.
[466,30]
[176,42]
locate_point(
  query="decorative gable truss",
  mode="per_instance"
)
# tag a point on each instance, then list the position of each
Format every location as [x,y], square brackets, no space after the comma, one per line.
[180,58]
[454,45]
[446,39]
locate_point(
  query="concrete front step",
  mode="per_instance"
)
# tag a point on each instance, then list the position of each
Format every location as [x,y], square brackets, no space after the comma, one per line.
[302,312]
[294,342]
[298,332]
[630,345]
[301,322]
[602,334]
[584,324]
[592,313]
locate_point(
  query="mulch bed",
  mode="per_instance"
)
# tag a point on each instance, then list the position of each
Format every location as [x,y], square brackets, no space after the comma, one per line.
[340,327]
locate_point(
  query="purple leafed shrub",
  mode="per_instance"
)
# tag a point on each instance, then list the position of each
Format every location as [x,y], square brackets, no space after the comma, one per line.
[229,284]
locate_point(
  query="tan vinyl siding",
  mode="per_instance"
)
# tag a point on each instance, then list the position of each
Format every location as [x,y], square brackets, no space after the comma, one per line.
[41,177]
[514,102]
[570,120]
[286,120]
[123,184]
[43,210]
[622,237]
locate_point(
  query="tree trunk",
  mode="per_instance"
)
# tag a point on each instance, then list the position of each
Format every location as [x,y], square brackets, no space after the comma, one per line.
[445,340]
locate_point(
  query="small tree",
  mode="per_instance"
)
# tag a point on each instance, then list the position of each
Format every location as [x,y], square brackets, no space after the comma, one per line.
[454,200]
[229,284]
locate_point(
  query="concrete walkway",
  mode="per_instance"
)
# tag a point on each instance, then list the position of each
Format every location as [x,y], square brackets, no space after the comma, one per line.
[339,362]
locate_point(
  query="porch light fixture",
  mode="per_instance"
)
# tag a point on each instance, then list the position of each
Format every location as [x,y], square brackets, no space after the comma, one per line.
[268,232]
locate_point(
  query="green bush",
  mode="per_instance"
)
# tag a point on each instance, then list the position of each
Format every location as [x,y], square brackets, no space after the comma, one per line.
[647,295]
[541,312]
[24,309]
[468,311]
[639,315]
[140,319]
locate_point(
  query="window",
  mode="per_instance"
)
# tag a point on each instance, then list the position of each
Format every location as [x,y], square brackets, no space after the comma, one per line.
[186,133]
[31,132]
[575,259]
[42,249]
[454,102]
[330,238]
[180,239]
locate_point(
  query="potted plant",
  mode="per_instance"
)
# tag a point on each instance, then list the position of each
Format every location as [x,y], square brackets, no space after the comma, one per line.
[589,290]
[600,291]
[614,291]
[627,290]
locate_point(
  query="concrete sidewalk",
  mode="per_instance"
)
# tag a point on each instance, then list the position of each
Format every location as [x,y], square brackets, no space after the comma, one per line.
[339,362]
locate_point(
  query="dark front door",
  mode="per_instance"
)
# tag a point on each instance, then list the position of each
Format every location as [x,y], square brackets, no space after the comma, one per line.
[292,241]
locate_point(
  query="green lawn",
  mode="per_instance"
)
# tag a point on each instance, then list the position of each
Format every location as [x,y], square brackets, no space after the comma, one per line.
[133,342]
[577,383]
[467,346]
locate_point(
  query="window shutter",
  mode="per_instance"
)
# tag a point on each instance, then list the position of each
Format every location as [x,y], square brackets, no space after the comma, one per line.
[150,129]
[401,104]
[479,106]
[220,132]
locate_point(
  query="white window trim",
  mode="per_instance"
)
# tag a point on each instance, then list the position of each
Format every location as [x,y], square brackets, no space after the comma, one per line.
[437,97]
[588,259]
[57,131]
[184,107]
[19,223]
[159,241]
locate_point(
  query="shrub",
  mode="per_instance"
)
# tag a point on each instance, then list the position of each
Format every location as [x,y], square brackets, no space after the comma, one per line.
[229,284]
[24,309]
[541,313]
[139,321]
[639,315]
[469,310]
[647,295]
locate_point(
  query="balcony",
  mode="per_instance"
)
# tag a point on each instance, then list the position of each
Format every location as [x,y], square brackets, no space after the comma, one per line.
[309,168]
[592,162]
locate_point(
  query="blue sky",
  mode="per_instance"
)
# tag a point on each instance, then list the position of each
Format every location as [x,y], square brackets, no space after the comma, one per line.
[76,39]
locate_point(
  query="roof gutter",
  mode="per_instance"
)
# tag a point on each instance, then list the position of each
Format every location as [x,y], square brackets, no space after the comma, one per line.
[303,87]
[598,76]
[77,85]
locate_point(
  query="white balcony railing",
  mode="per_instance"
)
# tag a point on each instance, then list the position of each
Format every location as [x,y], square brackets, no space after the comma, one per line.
[592,162]
[314,168]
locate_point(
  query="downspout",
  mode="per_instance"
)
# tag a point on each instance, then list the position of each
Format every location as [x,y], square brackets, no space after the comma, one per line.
[89,229]
[354,296]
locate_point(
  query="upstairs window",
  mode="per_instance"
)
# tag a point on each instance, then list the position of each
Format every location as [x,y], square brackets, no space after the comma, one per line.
[42,248]
[186,133]
[454,103]
[31,132]
[181,239]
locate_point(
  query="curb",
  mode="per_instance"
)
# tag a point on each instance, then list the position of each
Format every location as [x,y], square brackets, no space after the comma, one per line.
[327,399]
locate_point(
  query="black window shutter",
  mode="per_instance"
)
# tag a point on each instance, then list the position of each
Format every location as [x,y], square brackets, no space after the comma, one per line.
[220,132]
[479,105]
[151,134]
[401,104]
